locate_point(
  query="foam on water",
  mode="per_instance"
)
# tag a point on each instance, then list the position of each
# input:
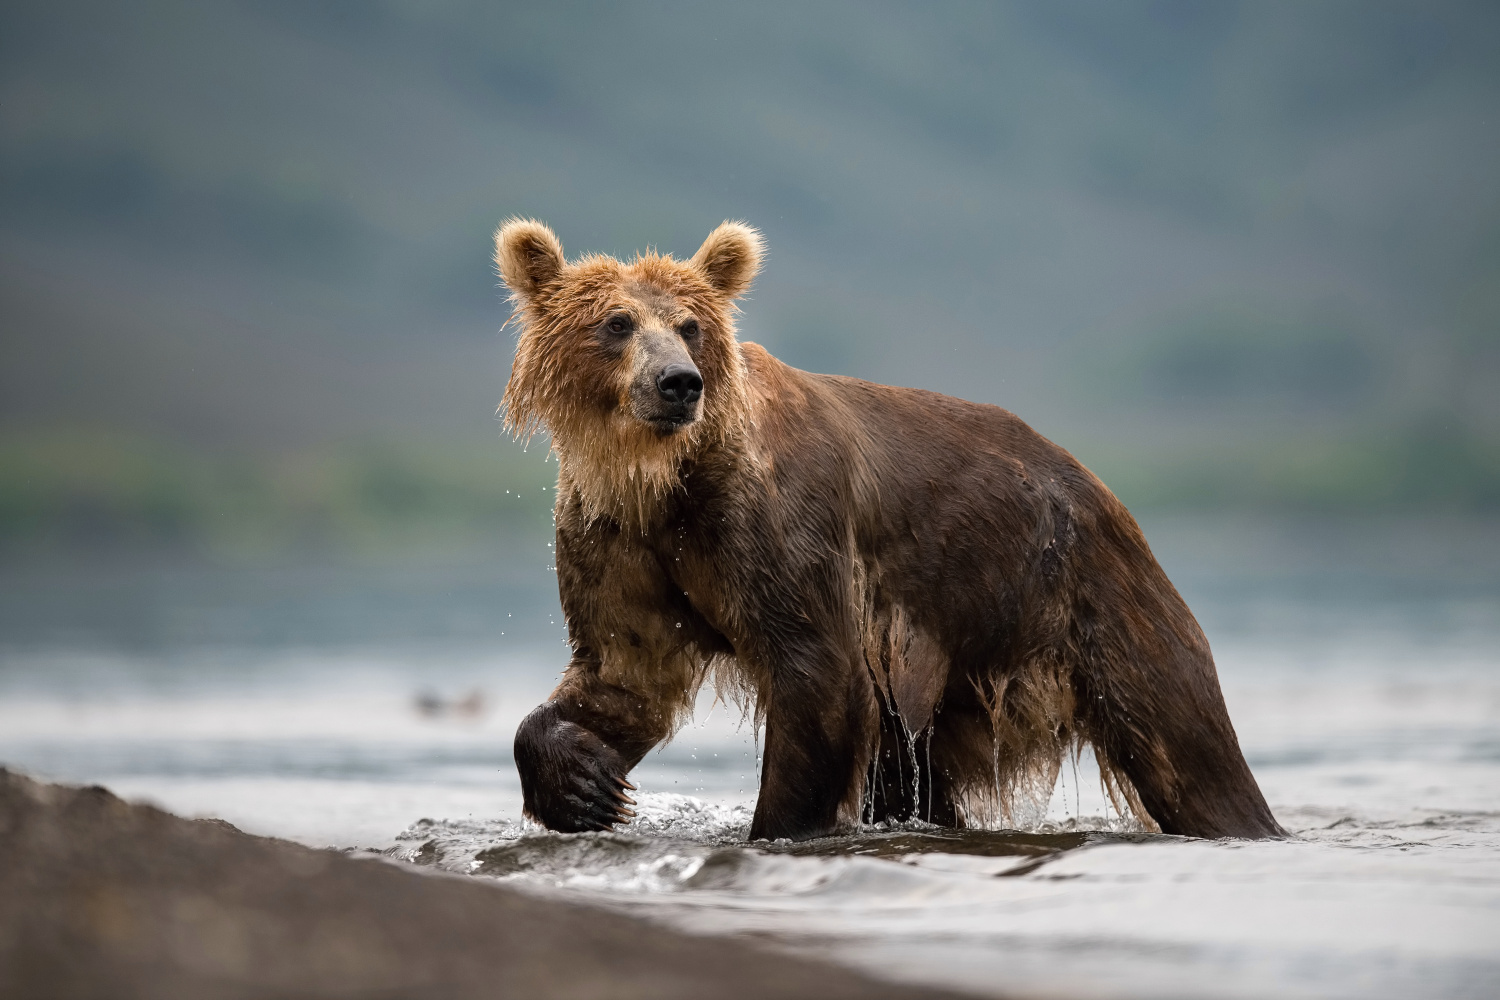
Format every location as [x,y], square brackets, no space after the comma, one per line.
[675,839]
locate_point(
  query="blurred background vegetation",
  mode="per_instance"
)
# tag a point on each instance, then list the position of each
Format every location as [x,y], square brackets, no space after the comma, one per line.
[1238,257]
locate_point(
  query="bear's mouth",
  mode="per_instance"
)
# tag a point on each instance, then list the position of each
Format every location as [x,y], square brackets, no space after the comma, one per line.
[668,425]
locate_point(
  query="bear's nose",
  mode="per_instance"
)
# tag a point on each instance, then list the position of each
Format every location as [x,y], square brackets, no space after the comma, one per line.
[679,384]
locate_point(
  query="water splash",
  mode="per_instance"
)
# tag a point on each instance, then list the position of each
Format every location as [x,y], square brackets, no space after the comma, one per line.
[678,843]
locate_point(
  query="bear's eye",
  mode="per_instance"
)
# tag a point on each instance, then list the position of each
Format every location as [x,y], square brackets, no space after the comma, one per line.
[618,325]
[689,330]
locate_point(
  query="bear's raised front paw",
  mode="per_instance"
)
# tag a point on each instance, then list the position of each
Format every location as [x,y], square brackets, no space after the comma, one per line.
[571,780]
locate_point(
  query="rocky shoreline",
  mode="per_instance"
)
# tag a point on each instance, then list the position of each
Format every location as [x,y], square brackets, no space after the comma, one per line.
[103,898]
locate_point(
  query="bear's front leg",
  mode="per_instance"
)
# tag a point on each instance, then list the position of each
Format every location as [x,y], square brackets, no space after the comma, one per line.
[575,750]
[821,725]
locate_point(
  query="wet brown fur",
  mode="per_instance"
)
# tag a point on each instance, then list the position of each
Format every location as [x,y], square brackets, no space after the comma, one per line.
[927,603]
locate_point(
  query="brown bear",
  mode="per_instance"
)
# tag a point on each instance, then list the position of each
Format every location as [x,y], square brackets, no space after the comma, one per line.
[927,602]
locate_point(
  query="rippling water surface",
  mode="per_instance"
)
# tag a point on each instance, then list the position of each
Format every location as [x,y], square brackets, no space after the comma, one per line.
[375,714]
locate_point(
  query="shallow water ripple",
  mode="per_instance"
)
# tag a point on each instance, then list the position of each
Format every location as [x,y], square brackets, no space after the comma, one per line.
[1353,906]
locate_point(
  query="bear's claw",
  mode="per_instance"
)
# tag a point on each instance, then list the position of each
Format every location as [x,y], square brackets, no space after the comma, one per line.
[571,780]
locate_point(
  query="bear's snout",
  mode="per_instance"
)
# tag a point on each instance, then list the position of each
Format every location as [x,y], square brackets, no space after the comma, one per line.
[679,384]
[666,388]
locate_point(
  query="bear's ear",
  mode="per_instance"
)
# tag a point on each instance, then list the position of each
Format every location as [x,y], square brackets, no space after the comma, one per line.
[529,256]
[730,258]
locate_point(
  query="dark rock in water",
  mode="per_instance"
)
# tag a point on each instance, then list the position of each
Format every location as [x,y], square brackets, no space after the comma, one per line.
[100,898]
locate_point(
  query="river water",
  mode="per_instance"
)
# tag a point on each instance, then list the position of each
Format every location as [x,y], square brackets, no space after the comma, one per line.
[374,709]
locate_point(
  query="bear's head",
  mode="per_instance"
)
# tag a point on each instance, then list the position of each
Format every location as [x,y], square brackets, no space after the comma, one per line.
[631,366]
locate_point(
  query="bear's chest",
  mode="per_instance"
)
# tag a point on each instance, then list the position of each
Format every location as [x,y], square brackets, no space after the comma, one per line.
[705,572]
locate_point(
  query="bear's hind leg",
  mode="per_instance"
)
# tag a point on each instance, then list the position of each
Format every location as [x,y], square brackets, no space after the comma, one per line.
[1154,713]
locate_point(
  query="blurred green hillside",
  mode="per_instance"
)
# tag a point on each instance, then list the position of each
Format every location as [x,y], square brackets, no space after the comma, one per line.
[1236,256]
[65,492]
